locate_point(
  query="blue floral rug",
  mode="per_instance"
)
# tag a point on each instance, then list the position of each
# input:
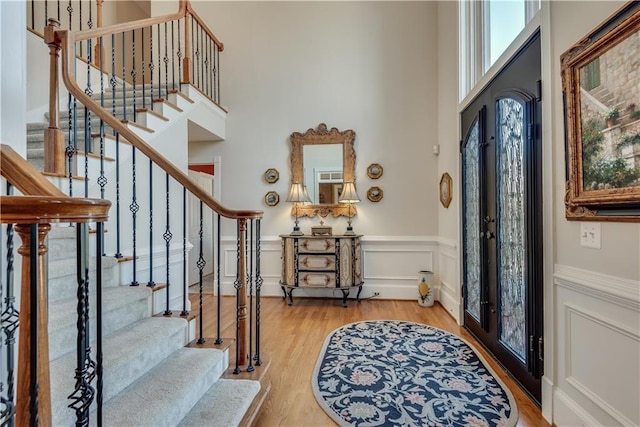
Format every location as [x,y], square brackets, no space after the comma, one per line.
[387,372]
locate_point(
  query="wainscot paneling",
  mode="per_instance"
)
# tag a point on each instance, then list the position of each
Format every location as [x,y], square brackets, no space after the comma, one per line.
[390,263]
[448,272]
[598,348]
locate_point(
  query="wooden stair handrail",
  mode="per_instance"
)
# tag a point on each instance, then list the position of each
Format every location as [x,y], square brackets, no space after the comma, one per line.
[17,171]
[66,40]
[204,26]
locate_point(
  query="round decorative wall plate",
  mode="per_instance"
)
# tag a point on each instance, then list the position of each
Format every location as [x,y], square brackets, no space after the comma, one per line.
[271,175]
[271,198]
[374,171]
[375,194]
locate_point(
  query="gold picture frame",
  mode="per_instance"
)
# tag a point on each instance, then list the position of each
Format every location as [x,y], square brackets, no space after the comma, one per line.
[446,190]
[375,171]
[271,175]
[272,198]
[375,194]
[603,132]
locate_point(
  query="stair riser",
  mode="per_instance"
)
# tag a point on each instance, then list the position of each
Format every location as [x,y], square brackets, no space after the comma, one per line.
[62,340]
[65,286]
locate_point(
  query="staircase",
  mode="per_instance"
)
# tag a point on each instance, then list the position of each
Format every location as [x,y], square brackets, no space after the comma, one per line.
[151,378]
[156,371]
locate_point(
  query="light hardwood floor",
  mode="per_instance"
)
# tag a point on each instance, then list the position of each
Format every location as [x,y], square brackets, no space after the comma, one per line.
[293,337]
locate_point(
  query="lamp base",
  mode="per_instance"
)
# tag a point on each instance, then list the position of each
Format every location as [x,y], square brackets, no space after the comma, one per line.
[296,232]
[349,232]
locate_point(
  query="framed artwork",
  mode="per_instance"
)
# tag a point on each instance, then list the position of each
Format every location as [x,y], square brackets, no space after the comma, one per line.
[374,171]
[375,194]
[602,112]
[271,198]
[271,175]
[446,194]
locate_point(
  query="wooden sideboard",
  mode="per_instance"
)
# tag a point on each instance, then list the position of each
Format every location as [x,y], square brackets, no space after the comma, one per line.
[327,262]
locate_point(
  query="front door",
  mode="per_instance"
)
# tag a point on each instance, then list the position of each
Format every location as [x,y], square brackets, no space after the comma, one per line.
[502,217]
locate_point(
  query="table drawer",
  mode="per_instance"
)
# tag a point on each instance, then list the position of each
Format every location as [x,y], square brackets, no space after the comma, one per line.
[317,280]
[317,262]
[317,245]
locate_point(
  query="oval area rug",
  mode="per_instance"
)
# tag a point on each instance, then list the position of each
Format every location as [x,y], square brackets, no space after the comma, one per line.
[387,372]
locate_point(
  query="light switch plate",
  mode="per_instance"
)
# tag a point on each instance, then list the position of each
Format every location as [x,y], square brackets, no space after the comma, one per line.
[590,235]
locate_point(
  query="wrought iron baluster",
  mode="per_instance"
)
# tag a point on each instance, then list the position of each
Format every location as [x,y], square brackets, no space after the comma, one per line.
[219,280]
[87,123]
[124,77]
[70,10]
[185,288]
[33,14]
[238,285]
[102,179]
[70,150]
[173,68]
[179,54]
[134,74]
[10,322]
[151,283]
[219,97]
[167,238]
[259,282]
[201,264]
[193,50]
[151,65]
[46,12]
[144,98]
[80,22]
[159,66]
[134,207]
[166,63]
[58,10]
[118,254]
[205,83]
[113,81]
[83,393]
[198,33]
[249,250]
[99,354]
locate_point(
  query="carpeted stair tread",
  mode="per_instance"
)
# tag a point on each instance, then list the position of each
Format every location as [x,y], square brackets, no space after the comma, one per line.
[166,394]
[223,405]
[128,354]
[62,283]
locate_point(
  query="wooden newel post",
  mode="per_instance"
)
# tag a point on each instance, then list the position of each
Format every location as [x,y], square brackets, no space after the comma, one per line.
[26,407]
[98,58]
[186,61]
[54,153]
[242,303]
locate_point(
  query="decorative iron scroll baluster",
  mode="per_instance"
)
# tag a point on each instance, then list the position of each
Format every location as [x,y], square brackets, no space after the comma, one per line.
[201,264]
[83,394]
[167,238]
[33,14]
[159,67]
[193,49]
[249,249]
[151,283]
[151,66]
[102,179]
[58,10]
[179,55]
[118,254]
[134,207]
[259,282]
[185,288]
[113,81]
[237,285]
[124,77]
[46,12]
[198,32]
[206,66]
[70,10]
[99,354]
[10,322]
[80,22]
[87,123]
[166,63]
[144,98]
[70,151]
[218,279]
[218,97]
[134,74]
[173,68]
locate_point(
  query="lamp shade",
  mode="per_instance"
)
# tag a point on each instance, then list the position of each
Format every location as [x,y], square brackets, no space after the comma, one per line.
[349,194]
[297,193]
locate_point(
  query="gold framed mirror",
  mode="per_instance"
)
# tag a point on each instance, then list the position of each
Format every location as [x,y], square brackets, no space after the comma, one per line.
[322,160]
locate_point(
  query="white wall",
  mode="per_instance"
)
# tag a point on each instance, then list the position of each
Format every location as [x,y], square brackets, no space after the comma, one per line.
[595,311]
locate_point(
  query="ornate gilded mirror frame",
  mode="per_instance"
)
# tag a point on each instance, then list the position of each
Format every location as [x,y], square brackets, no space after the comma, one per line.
[603,134]
[318,136]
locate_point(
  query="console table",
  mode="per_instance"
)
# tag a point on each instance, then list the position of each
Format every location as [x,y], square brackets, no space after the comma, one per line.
[332,262]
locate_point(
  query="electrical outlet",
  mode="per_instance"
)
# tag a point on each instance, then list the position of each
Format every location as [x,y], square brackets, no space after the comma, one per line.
[590,235]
